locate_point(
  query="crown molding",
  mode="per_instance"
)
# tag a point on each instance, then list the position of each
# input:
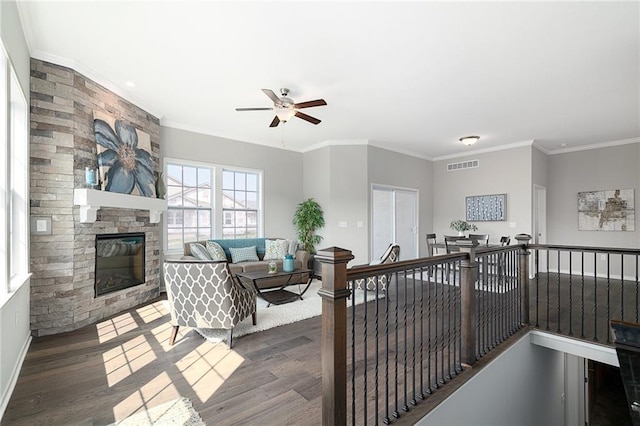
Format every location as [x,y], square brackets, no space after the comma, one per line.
[97,78]
[540,148]
[594,146]
[485,150]
[347,142]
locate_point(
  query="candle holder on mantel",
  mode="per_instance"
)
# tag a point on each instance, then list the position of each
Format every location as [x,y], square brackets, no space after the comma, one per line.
[91,178]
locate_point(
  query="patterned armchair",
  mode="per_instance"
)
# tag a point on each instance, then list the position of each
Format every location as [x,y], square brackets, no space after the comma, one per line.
[203,294]
[390,255]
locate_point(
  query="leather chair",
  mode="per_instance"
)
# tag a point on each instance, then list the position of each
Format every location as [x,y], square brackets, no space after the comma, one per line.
[391,254]
[203,294]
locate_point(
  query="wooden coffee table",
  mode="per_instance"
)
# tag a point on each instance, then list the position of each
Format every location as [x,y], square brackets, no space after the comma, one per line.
[277,295]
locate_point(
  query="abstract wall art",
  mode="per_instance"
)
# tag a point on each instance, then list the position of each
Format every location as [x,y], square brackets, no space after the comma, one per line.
[611,210]
[124,157]
[484,208]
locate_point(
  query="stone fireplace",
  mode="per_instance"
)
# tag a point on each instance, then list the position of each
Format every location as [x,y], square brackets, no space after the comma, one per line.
[62,145]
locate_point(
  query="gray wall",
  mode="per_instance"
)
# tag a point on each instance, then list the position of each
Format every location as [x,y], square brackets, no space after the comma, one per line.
[316,185]
[14,312]
[540,167]
[522,386]
[508,171]
[393,169]
[282,170]
[615,167]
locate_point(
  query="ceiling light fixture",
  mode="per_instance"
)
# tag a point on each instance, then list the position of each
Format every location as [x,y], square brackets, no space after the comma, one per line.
[469,140]
[284,113]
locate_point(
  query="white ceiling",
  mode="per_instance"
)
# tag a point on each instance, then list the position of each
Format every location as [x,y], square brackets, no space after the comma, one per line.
[412,76]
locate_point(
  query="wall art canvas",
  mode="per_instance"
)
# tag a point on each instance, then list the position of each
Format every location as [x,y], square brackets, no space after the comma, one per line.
[485,208]
[612,210]
[124,157]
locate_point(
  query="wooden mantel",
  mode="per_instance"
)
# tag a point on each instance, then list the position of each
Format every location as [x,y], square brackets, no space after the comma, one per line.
[91,200]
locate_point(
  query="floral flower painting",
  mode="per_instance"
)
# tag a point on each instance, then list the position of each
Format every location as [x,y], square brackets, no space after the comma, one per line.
[124,157]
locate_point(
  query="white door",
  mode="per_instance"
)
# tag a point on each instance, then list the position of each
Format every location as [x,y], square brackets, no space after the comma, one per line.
[394,219]
[540,225]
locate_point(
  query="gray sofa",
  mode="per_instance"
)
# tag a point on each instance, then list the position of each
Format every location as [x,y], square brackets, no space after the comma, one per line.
[302,260]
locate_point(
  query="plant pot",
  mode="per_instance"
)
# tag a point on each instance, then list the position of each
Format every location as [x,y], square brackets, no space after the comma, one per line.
[460,233]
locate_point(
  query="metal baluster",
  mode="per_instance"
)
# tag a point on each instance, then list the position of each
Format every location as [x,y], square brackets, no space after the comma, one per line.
[413,344]
[365,352]
[559,303]
[377,345]
[622,287]
[595,297]
[582,296]
[429,341]
[386,420]
[608,294]
[353,353]
[537,287]
[421,393]
[405,406]
[396,413]
[570,294]
[547,328]
[636,288]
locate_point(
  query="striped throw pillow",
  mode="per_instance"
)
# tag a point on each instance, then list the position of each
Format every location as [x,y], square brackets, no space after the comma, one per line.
[199,251]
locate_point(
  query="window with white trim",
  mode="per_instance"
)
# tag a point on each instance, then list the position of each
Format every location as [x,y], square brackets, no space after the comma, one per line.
[208,201]
[14,179]
[240,203]
[190,213]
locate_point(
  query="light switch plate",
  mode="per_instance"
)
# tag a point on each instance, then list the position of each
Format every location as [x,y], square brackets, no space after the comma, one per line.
[342,224]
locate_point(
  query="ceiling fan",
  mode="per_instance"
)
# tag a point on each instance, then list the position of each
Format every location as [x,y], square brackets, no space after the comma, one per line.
[286,108]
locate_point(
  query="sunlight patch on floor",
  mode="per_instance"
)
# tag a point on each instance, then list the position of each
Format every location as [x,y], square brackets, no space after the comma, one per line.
[115,326]
[159,390]
[207,367]
[152,312]
[124,360]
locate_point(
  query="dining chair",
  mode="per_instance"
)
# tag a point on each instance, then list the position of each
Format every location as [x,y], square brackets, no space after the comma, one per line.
[482,239]
[431,240]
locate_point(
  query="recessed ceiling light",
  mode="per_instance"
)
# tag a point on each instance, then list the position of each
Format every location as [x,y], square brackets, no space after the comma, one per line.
[469,140]
[130,83]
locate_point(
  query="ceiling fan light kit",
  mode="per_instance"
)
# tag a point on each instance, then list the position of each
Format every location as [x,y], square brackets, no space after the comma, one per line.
[285,107]
[469,140]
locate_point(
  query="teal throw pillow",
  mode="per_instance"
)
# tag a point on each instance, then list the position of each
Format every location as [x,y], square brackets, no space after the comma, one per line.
[244,254]
[199,251]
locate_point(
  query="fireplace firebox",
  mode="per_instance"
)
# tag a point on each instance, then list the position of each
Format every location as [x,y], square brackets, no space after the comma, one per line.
[119,261]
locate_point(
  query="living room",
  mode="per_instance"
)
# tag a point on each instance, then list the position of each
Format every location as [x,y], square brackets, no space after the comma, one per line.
[339,170]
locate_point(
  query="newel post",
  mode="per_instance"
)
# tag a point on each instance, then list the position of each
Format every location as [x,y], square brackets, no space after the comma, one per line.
[469,323]
[334,293]
[523,276]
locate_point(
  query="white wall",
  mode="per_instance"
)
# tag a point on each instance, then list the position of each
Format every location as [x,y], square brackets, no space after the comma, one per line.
[282,177]
[393,169]
[615,167]
[14,311]
[522,386]
[508,171]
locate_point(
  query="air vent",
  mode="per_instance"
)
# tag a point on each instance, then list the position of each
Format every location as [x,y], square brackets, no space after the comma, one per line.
[472,164]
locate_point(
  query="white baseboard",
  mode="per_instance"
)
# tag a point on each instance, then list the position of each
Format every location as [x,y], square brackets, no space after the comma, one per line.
[6,394]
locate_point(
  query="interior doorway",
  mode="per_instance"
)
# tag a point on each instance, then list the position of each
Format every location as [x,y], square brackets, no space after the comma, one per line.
[394,218]
[539,226]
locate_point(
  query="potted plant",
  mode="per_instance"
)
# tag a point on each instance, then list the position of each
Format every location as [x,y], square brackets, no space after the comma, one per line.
[308,218]
[461,226]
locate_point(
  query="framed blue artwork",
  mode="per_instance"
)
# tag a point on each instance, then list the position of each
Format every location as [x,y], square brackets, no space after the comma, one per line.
[485,208]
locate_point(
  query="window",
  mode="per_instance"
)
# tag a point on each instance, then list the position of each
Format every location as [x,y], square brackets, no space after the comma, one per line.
[240,204]
[208,201]
[190,211]
[14,173]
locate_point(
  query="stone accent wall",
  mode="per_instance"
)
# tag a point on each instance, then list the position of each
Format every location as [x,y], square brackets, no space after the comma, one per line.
[62,145]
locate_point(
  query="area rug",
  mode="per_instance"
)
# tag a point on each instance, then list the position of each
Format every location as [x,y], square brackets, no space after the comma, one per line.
[176,412]
[277,315]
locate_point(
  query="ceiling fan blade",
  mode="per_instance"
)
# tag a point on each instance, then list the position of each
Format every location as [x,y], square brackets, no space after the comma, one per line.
[306,117]
[308,104]
[275,122]
[276,100]
[254,109]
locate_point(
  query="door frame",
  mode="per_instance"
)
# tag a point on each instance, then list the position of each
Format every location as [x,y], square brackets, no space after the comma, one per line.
[393,188]
[539,225]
